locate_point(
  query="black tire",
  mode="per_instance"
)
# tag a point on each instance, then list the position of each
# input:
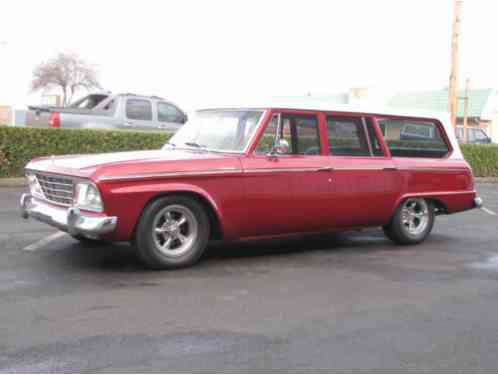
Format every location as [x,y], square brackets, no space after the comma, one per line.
[400,232]
[387,232]
[147,241]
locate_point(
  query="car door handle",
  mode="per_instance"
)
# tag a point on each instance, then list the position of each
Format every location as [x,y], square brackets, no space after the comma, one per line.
[128,123]
[324,169]
[392,169]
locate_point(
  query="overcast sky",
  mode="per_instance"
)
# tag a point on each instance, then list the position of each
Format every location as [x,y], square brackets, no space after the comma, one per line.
[200,52]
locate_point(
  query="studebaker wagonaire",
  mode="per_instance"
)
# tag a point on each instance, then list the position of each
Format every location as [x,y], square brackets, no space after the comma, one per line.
[248,173]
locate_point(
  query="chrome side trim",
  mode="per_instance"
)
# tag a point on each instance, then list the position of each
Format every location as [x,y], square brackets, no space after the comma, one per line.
[313,169]
[221,171]
[435,169]
[230,170]
[359,168]
[279,170]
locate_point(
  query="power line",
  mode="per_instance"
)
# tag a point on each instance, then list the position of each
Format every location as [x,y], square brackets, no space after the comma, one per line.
[453,87]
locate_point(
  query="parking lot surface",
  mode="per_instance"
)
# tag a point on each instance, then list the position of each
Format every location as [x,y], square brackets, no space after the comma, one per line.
[351,301]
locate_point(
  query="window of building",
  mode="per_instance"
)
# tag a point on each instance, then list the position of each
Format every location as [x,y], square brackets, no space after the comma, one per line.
[413,138]
[138,109]
[477,135]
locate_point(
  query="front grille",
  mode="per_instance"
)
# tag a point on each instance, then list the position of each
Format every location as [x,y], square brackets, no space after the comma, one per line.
[56,189]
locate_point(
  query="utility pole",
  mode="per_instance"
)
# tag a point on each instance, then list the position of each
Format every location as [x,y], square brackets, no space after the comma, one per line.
[453,88]
[466,110]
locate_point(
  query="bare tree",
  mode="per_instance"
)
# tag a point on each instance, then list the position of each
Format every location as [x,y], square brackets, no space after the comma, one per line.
[66,71]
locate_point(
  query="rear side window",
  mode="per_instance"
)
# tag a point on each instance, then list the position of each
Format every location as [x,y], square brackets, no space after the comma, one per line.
[168,113]
[413,138]
[138,109]
[347,136]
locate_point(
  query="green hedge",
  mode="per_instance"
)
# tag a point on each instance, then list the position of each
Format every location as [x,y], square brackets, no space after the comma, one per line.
[20,145]
[482,158]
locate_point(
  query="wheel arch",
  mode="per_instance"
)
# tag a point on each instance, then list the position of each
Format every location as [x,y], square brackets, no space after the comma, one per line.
[439,204]
[202,197]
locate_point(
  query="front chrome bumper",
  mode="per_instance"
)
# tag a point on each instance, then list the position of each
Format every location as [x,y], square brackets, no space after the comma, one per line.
[70,220]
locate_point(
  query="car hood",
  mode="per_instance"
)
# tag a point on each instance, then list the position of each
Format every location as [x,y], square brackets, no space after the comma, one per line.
[122,164]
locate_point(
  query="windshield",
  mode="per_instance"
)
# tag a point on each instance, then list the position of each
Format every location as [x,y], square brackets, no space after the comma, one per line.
[218,130]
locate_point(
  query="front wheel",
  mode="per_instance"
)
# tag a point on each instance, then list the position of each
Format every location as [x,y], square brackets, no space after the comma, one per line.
[412,222]
[172,232]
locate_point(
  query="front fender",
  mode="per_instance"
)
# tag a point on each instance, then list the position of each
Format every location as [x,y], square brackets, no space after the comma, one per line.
[127,202]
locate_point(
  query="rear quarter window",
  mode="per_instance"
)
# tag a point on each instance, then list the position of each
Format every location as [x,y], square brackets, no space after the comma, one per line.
[168,113]
[413,138]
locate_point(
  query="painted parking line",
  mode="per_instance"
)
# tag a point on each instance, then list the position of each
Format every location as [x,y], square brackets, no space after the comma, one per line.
[44,241]
[488,211]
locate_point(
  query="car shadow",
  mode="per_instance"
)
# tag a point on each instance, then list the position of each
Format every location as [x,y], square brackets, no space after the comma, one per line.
[299,244]
[121,257]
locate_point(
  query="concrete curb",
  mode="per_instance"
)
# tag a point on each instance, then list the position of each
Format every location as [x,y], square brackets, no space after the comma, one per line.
[21,181]
[489,180]
[13,182]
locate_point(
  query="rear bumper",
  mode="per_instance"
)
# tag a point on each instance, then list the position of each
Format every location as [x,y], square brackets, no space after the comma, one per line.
[70,219]
[477,202]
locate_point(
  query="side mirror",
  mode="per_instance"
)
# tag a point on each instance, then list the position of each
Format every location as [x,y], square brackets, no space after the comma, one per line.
[280,145]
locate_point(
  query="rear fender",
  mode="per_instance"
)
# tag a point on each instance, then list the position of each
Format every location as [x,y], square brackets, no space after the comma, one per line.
[452,201]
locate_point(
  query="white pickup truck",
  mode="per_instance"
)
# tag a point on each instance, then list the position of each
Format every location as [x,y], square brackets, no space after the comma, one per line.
[107,111]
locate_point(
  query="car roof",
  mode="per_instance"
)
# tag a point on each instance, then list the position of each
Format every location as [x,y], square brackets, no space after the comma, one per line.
[378,110]
[344,108]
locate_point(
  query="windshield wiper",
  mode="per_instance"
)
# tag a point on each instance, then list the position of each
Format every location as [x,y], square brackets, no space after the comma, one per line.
[170,144]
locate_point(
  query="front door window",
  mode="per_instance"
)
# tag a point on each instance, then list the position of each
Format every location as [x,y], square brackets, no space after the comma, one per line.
[300,131]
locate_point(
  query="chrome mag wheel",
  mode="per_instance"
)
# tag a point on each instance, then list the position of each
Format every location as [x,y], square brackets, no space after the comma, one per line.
[415,216]
[175,230]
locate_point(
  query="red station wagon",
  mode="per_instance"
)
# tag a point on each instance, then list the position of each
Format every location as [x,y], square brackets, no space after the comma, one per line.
[248,173]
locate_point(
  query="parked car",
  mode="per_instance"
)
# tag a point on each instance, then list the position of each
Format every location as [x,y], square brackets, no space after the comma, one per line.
[106,111]
[248,173]
[474,136]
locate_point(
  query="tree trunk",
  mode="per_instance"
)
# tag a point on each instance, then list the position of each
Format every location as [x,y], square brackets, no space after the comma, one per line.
[64,96]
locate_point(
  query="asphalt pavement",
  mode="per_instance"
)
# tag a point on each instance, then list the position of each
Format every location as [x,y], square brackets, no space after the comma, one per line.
[350,301]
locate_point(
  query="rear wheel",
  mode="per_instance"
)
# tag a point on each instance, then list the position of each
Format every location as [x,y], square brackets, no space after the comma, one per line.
[412,222]
[173,232]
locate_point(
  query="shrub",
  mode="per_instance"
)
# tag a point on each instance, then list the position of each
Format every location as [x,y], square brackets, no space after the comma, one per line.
[482,158]
[19,145]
